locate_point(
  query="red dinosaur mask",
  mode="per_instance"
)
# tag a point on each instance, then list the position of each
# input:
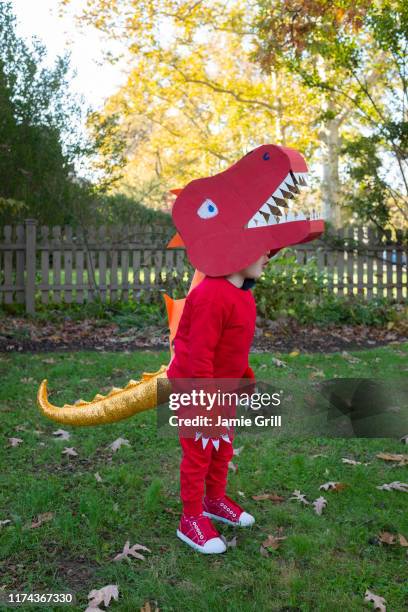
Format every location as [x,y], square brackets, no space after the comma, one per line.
[229,220]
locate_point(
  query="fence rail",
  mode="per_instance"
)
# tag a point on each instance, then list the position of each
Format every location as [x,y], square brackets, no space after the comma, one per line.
[57,264]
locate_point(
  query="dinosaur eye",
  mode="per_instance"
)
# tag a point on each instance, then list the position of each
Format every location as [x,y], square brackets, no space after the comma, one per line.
[207,209]
[265,156]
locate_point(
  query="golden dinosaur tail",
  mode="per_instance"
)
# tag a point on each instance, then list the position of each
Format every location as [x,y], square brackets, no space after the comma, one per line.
[118,404]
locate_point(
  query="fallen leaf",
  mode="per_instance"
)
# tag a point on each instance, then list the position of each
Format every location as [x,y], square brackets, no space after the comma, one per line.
[332,486]
[232,466]
[319,504]
[294,353]
[241,493]
[396,485]
[15,441]
[62,434]
[118,443]
[237,451]
[317,374]
[131,551]
[273,541]
[42,518]
[4,522]
[104,595]
[278,363]
[229,543]
[402,540]
[401,458]
[377,601]
[276,499]
[352,461]
[263,551]
[97,476]
[299,497]
[385,537]
[148,608]
[349,357]
[69,451]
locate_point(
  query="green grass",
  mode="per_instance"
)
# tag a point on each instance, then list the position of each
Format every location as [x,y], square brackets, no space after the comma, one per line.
[326,562]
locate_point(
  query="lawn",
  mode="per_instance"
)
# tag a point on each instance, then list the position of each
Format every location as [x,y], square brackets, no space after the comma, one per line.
[325,562]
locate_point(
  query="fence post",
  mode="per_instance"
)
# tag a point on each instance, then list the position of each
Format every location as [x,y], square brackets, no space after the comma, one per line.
[31,265]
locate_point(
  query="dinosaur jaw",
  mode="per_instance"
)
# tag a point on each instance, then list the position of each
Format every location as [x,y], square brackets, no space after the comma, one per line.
[278,208]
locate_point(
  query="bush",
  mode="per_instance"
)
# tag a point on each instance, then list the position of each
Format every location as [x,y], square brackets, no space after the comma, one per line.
[289,289]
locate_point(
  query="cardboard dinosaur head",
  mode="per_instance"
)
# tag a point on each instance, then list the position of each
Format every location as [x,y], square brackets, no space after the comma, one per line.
[227,221]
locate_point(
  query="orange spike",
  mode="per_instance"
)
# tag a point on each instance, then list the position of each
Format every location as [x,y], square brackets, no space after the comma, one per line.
[174,311]
[175,308]
[175,242]
[176,191]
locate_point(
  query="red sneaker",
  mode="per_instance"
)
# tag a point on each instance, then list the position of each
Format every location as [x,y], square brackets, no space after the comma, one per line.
[199,533]
[226,510]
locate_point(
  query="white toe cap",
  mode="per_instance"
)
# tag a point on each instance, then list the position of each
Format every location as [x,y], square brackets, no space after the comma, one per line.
[215,545]
[246,519]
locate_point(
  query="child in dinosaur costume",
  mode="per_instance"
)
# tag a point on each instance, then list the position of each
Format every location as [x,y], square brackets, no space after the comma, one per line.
[230,225]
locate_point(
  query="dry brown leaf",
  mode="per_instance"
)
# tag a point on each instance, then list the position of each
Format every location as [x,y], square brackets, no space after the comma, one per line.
[319,504]
[403,458]
[299,497]
[396,486]
[385,537]
[317,374]
[276,499]
[350,358]
[232,466]
[273,541]
[104,595]
[148,608]
[229,543]
[127,550]
[62,434]
[333,486]
[402,540]
[377,601]
[278,363]
[15,441]
[118,443]
[42,518]
[263,551]
[69,451]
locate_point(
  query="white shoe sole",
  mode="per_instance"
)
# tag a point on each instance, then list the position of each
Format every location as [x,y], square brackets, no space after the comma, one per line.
[197,547]
[224,520]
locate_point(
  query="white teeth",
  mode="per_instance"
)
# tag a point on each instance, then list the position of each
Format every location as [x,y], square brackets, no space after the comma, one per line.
[287,213]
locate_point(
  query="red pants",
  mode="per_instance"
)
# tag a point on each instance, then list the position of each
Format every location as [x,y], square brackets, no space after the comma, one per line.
[199,465]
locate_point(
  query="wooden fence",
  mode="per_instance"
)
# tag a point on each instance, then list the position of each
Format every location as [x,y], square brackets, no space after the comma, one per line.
[56,264]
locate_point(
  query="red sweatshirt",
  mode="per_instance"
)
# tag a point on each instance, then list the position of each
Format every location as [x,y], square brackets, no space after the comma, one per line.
[215,332]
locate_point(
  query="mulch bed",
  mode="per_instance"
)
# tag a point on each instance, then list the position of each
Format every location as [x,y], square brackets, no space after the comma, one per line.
[20,334]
